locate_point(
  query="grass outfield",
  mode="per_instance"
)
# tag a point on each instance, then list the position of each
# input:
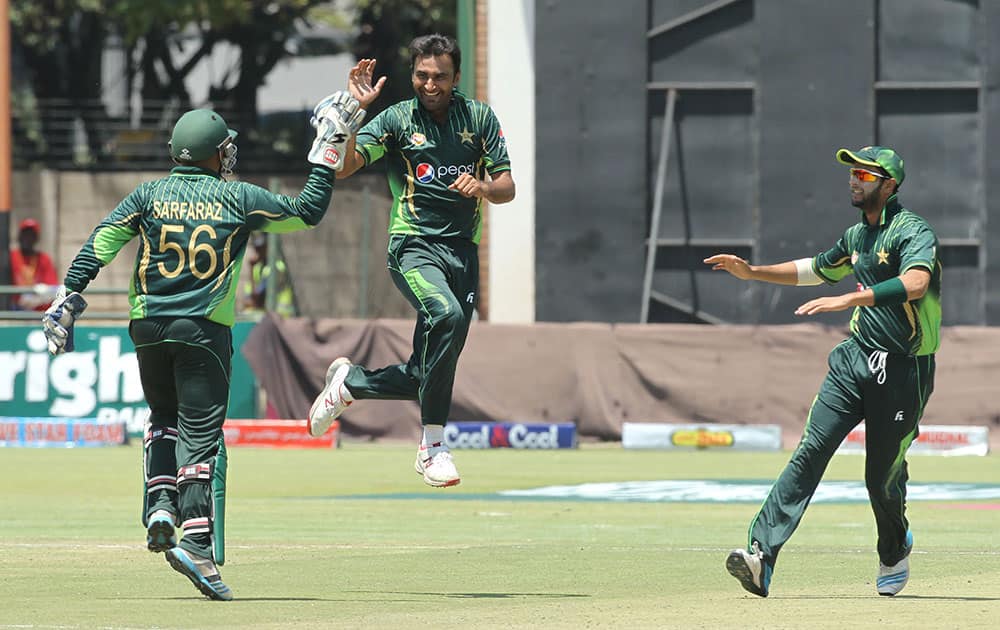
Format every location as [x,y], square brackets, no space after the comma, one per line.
[303,553]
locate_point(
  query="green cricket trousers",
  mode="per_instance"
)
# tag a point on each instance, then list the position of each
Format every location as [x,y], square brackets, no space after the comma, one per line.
[888,392]
[440,278]
[184,366]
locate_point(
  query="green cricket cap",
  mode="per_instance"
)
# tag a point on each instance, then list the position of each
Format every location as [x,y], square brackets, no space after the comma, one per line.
[198,134]
[882,157]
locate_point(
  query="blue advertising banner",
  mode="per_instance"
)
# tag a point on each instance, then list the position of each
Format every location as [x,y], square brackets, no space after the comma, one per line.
[99,380]
[510,435]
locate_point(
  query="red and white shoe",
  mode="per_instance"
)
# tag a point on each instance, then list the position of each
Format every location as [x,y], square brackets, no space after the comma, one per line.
[435,464]
[330,403]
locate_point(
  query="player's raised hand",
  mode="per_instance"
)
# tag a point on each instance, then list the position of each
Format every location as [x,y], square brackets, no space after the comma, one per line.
[359,82]
[468,186]
[731,263]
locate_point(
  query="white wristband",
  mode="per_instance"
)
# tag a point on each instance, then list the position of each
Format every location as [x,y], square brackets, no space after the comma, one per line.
[807,277]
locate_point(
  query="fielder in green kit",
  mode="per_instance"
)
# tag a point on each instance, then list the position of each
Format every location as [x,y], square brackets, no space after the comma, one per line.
[193,227]
[883,374]
[440,146]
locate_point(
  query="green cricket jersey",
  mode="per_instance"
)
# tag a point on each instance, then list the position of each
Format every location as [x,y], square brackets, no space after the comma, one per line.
[902,240]
[193,228]
[425,157]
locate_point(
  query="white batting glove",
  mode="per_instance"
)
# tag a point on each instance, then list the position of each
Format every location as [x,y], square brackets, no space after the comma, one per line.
[58,320]
[336,119]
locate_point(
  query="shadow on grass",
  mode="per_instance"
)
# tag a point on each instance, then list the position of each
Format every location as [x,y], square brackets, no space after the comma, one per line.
[235,599]
[482,595]
[940,598]
[949,598]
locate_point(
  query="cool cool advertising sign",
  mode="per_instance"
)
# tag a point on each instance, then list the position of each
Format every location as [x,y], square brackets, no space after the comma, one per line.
[100,379]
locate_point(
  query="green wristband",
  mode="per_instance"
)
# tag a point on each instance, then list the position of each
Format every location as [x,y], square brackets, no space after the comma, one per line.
[889,291]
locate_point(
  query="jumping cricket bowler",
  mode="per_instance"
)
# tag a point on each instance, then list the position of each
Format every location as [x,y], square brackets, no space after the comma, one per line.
[439,148]
[193,227]
[882,374]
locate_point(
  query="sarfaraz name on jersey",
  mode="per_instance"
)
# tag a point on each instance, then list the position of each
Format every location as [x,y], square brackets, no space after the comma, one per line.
[187,210]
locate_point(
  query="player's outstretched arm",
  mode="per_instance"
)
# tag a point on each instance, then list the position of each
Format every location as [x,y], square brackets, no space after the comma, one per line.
[781,273]
[910,285]
[353,162]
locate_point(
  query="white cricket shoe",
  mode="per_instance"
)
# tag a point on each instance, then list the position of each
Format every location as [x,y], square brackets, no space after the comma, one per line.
[330,403]
[435,464]
[892,579]
[750,569]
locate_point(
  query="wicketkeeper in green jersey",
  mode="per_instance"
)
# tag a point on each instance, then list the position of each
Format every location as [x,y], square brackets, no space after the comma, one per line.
[193,227]
[883,374]
[439,148]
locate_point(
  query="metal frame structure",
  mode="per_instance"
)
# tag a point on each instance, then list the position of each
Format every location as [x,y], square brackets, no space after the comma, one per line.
[681,248]
[961,253]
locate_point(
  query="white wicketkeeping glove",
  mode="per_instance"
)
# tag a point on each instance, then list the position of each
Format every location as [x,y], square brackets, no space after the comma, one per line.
[336,119]
[58,320]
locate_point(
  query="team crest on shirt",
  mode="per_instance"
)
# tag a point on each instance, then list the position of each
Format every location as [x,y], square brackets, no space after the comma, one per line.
[466,135]
[854,258]
[418,139]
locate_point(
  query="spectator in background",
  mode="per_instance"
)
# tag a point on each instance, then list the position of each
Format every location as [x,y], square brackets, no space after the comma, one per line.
[30,267]
[263,278]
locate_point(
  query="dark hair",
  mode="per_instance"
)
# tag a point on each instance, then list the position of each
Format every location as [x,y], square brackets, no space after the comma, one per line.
[434,45]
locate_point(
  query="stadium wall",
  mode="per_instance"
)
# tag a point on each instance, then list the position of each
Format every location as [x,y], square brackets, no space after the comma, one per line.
[511,87]
[598,376]
[591,163]
[337,268]
[766,92]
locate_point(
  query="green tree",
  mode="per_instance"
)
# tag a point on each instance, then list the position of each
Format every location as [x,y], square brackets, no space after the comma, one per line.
[62,43]
[60,46]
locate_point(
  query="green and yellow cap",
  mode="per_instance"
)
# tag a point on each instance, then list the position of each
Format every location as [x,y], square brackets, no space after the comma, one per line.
[881,157]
